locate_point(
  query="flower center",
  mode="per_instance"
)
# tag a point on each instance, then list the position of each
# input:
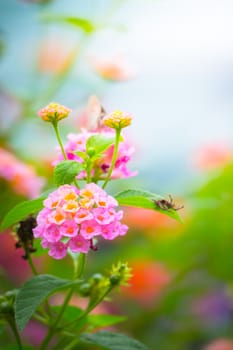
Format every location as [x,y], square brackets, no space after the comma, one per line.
[58,217]
[70,196]
[89,229]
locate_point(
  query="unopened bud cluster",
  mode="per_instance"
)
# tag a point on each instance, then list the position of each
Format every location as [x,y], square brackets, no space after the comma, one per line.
[98,284]
[54,112]
[94,286]
[120,274]
[7,303]
[117,120]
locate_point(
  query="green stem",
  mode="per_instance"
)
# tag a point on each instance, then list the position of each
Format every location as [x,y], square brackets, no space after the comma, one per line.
[72,344]
[53,327]
[88,170]
[76,183]
[114,157]
[16,333]
[55,125]
[30,262]
[79,268]
[85,313]
[40,319]
[89,308]
[67,336]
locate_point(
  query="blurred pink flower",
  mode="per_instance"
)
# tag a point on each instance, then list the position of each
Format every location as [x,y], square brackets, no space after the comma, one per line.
[34,333]
[10,258]
[220,344]
[21,177]
[13,267]
[11,107]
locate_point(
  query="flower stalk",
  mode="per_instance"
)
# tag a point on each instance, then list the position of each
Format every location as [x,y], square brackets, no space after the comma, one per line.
[78,271]
[114,157]
[55,126]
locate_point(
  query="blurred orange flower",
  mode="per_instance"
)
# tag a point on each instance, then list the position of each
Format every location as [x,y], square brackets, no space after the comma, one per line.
[213,156]
[146,219]
[55,57]
[148,280]
[111,69]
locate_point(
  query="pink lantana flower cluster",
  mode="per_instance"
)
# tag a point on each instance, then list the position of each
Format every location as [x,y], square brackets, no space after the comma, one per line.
[77,142]
[72,218]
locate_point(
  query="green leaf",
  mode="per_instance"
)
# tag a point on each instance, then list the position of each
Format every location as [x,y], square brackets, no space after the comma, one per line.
[105,320]
[99,143]
[33,293]
[71,314]
[112,341]
[66,171]
[147,200]
[21,211]
[78,22]
[82,155]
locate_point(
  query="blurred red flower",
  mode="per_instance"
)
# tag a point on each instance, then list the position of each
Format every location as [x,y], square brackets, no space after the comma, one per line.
[148,280]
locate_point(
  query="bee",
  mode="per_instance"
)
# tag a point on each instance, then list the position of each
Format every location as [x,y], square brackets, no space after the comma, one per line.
[167,204]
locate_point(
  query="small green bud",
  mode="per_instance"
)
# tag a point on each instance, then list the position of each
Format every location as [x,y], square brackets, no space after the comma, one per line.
[123,266]
[6,307]
[85,289]
[114,279]
[10,294]
[91,151]
[2,298]
[97,277]
[122,273]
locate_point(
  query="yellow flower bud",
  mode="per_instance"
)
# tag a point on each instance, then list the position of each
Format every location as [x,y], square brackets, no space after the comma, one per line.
[54,112]
[117,120]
